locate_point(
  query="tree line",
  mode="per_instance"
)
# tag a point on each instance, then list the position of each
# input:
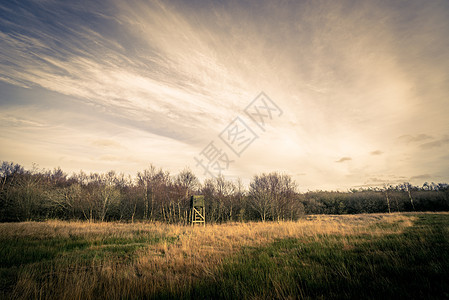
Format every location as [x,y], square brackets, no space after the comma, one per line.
[156,195]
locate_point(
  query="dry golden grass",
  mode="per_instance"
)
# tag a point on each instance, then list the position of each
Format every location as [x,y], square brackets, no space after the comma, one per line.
[170,265]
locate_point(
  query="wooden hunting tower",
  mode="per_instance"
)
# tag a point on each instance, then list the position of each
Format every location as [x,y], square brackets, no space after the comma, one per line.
[197,210]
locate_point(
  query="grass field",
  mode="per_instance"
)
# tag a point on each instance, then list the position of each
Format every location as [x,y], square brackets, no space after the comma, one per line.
[338,257]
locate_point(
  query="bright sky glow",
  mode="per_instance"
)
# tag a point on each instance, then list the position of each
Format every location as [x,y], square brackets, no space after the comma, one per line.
[101,85]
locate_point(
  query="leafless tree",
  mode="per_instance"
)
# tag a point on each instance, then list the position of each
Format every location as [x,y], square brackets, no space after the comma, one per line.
[185,184]
[273,195]
[259,193]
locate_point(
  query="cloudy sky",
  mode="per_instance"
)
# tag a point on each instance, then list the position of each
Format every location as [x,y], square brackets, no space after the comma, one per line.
[363,87]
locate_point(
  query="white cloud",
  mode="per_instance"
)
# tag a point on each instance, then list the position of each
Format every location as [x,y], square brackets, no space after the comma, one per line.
[163,79]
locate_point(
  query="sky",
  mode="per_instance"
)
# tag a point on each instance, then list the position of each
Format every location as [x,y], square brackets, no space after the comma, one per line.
[355,93]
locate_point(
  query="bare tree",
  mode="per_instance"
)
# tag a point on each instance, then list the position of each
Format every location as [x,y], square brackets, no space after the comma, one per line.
[187,181]
[185,184]
[386,188]
[146,181]
[273,195]
[219,193]
[408,188]
[240,200]
[259,192]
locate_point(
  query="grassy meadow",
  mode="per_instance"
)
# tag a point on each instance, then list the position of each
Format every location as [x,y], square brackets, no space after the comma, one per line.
[321,256]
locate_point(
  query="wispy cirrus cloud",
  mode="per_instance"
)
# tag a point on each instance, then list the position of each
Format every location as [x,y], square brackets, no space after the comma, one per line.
[421,177]
[415,138]
[376,152]
[436,144]
[343,159]
[89,62]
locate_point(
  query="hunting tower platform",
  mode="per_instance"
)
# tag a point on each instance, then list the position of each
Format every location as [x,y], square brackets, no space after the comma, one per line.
[197,210]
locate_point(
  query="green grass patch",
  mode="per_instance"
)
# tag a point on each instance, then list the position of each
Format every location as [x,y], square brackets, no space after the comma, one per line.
[39,256]
[19,251]
[409,265]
